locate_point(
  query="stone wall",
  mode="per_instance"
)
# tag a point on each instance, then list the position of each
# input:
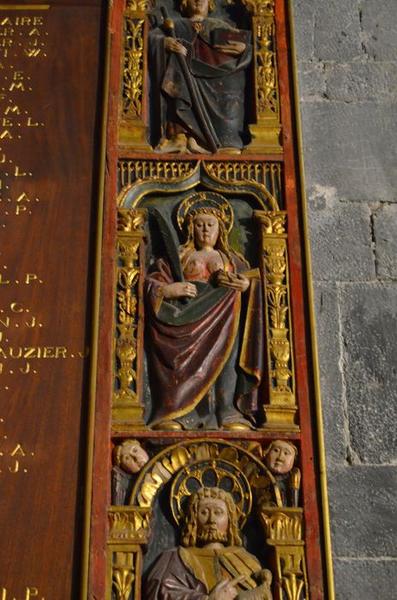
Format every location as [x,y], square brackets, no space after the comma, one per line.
[347,53]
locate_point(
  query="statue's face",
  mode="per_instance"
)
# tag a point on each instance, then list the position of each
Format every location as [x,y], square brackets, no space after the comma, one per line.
[280,458]
[212,520]
[206,230]
[133,457]
[196,8]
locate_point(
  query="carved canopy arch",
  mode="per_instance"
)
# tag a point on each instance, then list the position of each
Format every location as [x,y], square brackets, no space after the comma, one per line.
[167,463]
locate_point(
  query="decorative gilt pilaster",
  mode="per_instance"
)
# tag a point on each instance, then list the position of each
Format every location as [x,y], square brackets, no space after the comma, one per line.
[266,130]
[133,121]
[129,529]
[127,408]
[281,408]
[283,530]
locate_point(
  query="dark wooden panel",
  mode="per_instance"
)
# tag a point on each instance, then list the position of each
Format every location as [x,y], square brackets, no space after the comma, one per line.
[44,410]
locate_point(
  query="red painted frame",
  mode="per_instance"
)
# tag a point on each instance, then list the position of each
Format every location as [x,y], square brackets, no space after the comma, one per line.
[299,310]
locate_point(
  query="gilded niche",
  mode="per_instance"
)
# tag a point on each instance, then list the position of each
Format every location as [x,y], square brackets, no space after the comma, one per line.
[200,77]
[204,322]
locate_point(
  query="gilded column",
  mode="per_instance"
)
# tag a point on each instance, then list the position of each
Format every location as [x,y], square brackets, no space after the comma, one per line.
[267,127]
[127,408]
[129,529]
[283,530]
[281,407]
[132,110]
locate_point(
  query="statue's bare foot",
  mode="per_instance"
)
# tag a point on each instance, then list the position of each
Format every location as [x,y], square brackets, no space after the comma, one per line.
[195,147]
[176,144]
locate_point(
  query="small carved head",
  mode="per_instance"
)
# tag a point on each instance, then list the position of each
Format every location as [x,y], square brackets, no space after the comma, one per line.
[192,8]
[211,517]
[280,457]
[130,456]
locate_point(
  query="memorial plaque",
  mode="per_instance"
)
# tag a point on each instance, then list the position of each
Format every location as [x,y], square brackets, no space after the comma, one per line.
[49,136]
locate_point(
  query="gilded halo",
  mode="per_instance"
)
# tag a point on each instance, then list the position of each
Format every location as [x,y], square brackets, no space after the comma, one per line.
[212,201]
[216,472]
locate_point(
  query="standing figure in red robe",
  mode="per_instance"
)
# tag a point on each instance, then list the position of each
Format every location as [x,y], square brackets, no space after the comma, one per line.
[204,324]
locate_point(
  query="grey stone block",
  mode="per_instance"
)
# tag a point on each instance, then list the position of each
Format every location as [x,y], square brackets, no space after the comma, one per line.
[363,505]
[311,80]
[341,238]
[379,24]
[361,82]
[385,232]
[337,30]
[365,579]
[369,318]
[304,28]
[352,148]
[335,427]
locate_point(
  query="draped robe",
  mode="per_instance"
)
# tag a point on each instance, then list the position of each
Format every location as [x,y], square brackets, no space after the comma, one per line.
[189,342]
[219,82]
[191,573]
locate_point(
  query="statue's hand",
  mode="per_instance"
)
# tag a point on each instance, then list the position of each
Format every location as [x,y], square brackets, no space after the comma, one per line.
[173,45]
[226,590]
[235,281]
[231,48]
[182,289]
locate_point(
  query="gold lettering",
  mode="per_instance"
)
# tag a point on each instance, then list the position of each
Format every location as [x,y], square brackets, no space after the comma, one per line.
[5,281]
[20,208]
[31,324]
[2,158]
[15,468]
[16,307]
[1,367]
[6,134]
[30,352]
[38,21]
[18,173]
[18,352]
[18,450]
[2,353]
[30,592]
[7,32]
[33,52]
[6,21]
[34,31]
[31,124]
[13,109]
[16,86]
[30,277]
[6,122]
[23,197]
[60,352]
[5,322]
[48,352]
[26,369]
